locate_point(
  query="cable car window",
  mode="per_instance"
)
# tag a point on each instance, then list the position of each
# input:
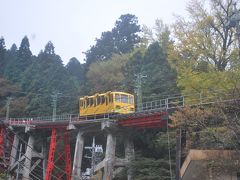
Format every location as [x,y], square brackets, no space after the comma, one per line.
[82,103]
[102,99]
[131,99]
[94,102]
[111,98]
[87,102]
[98,100]
[124,98]
[90,101]
[106,97]
[117,98]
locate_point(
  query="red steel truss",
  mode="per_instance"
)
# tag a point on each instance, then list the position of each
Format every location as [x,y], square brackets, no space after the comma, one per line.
[68,168]
[54,164]
[148,120]
[52,148]
[6,141]
[2,132]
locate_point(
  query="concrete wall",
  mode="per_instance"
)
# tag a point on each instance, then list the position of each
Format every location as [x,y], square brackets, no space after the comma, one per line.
[196,165]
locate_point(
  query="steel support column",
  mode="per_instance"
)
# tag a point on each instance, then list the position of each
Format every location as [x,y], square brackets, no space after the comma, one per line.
[77,162]
[2,132]
[52,148]
[60,158]
[68,161]
[44,153]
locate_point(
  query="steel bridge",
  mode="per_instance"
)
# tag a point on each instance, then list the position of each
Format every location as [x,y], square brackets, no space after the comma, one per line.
[39,147]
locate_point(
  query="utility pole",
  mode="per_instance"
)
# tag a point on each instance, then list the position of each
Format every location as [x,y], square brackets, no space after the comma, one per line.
[95,150]
[234,22]
[54,96]
[8,107]
[138,90]
[92,157]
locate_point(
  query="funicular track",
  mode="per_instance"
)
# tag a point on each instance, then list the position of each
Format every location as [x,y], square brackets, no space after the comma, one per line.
[145,110]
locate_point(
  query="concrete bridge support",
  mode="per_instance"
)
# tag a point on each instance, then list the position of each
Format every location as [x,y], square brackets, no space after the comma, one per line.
[28,159]
[14,150]
[44,154]
[77,162]
[13,155]
[109,156]
[129,156]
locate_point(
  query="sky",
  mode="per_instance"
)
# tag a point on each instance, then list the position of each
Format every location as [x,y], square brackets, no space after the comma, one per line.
[73,25]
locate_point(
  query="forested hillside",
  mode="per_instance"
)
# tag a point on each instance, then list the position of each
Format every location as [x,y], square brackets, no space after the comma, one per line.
[195,55]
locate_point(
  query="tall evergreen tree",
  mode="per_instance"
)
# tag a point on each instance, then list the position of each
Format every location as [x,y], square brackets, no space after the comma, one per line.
[76,69]
[11,57]
[23,60]
[133,67]
[24,54]
[46,76]
[125,33]
[2,56]
[121,39]
[161,78]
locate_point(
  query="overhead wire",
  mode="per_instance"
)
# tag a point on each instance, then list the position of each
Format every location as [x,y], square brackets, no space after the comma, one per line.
[46,158]
[22,140]
[23,165]
[25,157]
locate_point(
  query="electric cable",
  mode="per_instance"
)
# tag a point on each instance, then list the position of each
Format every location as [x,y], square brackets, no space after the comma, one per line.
[26,158]
[32,149]
[45,158]
[23,165]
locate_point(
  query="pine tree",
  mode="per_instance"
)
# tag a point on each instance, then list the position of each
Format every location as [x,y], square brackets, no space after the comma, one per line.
[19,62]
[120,40]
[47,76]
[161,78]
[2,56]
[76,69]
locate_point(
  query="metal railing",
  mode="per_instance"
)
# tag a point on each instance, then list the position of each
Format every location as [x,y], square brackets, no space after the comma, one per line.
[156,105]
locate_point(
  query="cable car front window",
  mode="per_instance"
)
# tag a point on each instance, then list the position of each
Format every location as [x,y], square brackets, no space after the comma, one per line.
[131,99]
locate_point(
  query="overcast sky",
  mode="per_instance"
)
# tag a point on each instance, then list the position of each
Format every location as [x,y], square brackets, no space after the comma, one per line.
[73,25]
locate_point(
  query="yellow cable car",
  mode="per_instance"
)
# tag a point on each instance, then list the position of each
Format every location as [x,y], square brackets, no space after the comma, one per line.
[109,102]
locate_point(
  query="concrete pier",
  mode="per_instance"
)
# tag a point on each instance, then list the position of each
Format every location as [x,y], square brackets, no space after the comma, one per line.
[14,150]
[77,162]
[109,156]
[129,156]
[44,154]
[28,159]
